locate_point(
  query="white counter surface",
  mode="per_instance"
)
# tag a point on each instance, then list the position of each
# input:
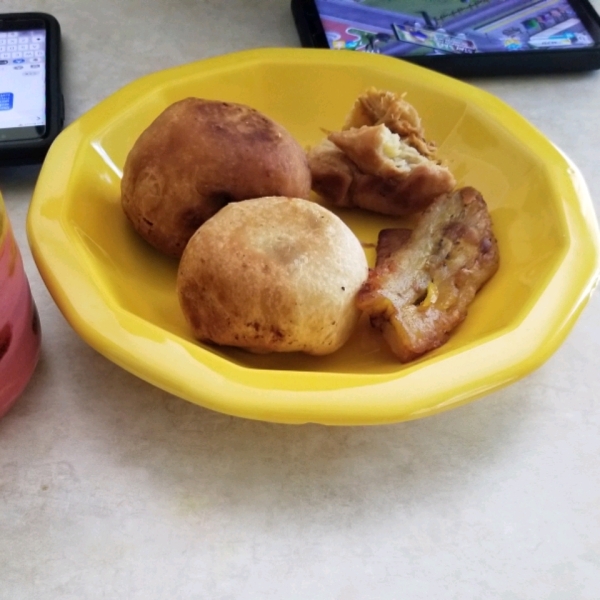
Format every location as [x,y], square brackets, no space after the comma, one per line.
[111,488]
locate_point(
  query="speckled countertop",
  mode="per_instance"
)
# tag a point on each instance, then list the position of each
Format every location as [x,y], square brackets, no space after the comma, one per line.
[110,488]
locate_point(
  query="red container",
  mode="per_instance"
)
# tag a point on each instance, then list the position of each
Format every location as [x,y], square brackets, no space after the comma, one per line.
[19,322]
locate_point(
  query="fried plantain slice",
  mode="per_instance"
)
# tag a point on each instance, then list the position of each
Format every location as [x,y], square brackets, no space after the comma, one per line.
[424,280]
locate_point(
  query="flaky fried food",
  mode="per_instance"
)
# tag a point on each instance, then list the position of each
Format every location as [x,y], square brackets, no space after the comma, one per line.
[373,168]
[381,107]
[273,275]
[424,280]
[197,156]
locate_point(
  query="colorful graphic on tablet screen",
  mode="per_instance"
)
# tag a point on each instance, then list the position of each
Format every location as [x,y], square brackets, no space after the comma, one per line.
[415,27]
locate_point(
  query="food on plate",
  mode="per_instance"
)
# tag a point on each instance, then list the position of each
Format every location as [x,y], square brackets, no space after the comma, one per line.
[383,107]
[424,280]
[380,160]
[199,155]
[273,274]
[225,189]
[372,168]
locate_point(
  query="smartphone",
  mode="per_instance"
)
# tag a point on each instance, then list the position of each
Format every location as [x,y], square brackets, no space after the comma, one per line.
[462,38]
[31,102]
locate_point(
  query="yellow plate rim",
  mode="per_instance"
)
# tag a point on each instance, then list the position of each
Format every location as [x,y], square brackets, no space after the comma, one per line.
[400,396]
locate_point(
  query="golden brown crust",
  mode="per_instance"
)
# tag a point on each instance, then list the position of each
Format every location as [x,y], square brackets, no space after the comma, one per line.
[333,174]
[422,284]
[199,155]
[390,241]
[272,275]
[381,107]
[369,168]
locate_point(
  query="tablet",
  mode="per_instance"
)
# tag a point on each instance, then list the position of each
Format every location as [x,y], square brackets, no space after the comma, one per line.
[459,37]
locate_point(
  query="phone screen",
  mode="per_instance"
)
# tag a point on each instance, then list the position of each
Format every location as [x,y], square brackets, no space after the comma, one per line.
[406,28]
[22,83]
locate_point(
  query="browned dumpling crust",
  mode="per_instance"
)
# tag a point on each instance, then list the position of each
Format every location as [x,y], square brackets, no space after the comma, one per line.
[380,160]
[273,275]
[383,107]
[199,155]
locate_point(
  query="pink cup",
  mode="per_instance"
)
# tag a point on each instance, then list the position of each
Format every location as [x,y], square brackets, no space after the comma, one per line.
[19,321]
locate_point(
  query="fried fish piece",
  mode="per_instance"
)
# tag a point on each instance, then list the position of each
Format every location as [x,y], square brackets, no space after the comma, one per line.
[425,279]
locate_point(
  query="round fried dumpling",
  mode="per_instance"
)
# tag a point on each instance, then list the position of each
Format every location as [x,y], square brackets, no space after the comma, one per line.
[273,275]
[199,155]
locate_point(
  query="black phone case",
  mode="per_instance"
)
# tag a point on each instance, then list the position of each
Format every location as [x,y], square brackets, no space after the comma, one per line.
[33,151]
[312,35]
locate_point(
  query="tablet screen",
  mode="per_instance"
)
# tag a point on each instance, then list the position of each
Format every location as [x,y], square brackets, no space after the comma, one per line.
[428,27]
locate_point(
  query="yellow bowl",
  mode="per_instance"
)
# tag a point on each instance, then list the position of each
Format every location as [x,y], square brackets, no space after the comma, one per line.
[119,294]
